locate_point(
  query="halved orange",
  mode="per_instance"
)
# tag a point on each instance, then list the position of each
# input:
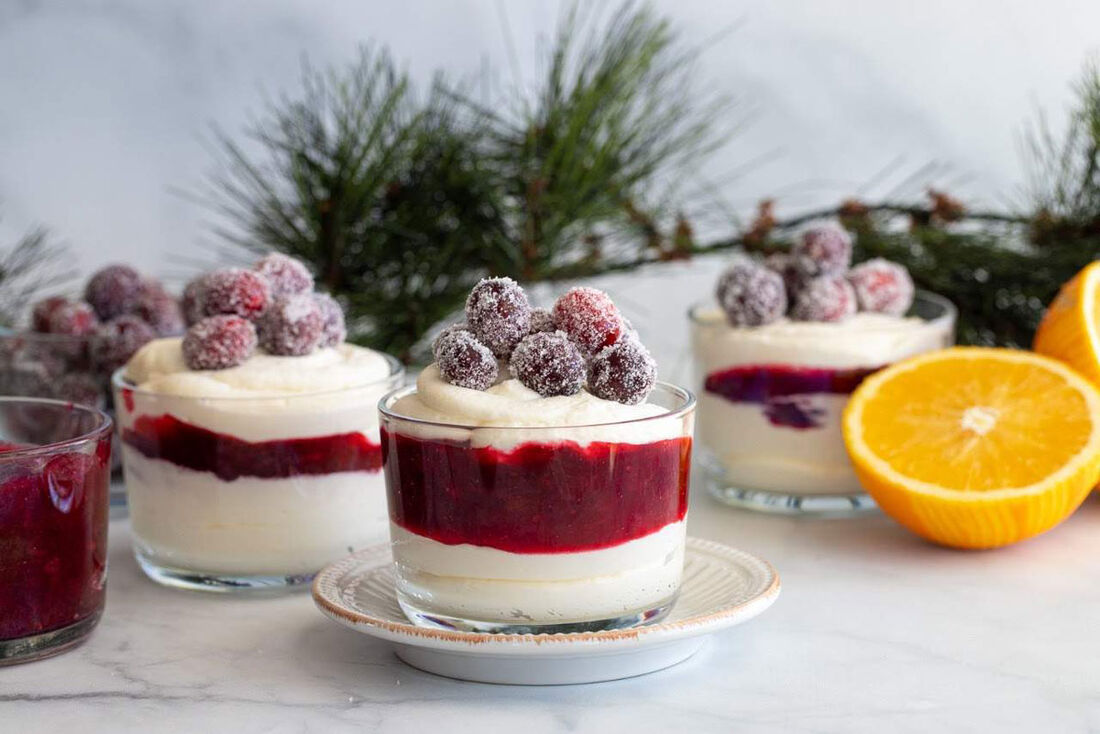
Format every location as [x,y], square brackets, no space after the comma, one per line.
[1068,330]
[974,447]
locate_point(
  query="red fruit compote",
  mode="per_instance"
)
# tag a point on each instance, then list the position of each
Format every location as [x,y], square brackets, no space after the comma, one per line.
[55,463]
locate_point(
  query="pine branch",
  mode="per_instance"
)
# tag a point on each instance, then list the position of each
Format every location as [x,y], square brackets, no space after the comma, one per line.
[28,268]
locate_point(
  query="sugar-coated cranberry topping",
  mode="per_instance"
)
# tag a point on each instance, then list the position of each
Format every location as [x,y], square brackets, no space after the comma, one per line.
[542,320]
[81,388]
[464,361]
[292,326]
[882,286]
[825,250]
[286,275]
[113,343]
[161,311]
[828,298]
[192,301]
[548,363]
[333,329]
[113,291]
[235,291]
[624,372]
[750,293]
[43,311]
[784,264]
[74,319]
[499,314]
[219,342]
[589,317]
[448,330]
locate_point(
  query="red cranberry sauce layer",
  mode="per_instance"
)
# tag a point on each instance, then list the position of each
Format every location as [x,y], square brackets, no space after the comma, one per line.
[537,497]
[784,390]
[228,457]
[53,542]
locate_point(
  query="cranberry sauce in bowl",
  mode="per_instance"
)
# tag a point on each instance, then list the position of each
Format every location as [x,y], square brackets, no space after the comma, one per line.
[55,463]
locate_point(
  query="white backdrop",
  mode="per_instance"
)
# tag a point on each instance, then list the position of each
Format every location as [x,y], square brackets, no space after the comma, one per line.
[104,104]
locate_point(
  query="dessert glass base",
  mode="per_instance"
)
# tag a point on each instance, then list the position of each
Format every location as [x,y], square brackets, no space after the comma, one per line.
[423,617]
[217,582]
[46,644]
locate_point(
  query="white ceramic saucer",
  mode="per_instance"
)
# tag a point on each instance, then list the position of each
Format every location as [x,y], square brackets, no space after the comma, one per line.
[722,587]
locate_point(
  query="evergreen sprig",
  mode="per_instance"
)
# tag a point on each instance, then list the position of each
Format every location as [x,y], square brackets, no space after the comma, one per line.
[31,265]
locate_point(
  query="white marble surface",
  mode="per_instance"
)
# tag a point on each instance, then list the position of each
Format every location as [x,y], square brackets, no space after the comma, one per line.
[875,631]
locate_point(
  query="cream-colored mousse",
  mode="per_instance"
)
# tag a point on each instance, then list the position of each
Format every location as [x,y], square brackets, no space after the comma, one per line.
[759,455]
[193,521]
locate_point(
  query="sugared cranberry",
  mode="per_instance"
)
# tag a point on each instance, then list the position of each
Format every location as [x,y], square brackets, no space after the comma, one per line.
[113,343]
[784,264]
[333,329]
[589,317]
[466,362]
[447,331]
[292,326]
[499,314]
[825,250]
[828,298]
[235,291]
[161,311]
[74,319]
[624,372]
[548,363]
[81,388]
[286,275]
[192,301]
[542,320]
[43,311]
[882,286]
[113,291]
[219,342]
[751,294]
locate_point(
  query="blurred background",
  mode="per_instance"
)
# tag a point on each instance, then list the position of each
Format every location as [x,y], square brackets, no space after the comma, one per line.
[105,134]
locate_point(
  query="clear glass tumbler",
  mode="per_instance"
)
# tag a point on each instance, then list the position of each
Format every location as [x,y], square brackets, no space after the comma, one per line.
[251,492]
[55,471]
[771,400]
[546,529]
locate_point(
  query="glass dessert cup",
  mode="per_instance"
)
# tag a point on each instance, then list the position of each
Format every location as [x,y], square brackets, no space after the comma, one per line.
[238,493]
[538,529]
[770,403]
[55,467]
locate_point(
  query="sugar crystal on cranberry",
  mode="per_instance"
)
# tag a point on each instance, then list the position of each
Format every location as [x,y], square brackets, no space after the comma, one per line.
[333,329]
[235,291]
[542,320]
[750,293]
[624,372]
[447,331]
[74,319]
[498,314]
[828,298]
[548,363]
[464,361]
[114,342]
[161,311]
[113,291]
[286,275]
[192,301]
[882,286]
[825,250]
[589,317]
[219,342]
[292,326]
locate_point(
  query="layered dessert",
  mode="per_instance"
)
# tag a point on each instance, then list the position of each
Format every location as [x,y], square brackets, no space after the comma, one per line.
[250,445]
[537,474]
[53,511]
[790,337]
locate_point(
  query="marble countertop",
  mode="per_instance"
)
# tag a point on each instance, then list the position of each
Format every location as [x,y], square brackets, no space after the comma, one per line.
[875,631]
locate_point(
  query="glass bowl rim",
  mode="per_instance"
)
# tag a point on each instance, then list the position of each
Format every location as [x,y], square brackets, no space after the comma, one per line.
[682,393]
[102,428]
[6,332]
[397,372]
[949,316]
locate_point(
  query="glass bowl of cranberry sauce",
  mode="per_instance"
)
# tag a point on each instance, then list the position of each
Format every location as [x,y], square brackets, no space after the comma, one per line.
[55,466]
[541,529]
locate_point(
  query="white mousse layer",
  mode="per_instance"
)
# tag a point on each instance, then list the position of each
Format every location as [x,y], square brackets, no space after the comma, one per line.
[759,455]
[508,414]
[487,584]
[195,521]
